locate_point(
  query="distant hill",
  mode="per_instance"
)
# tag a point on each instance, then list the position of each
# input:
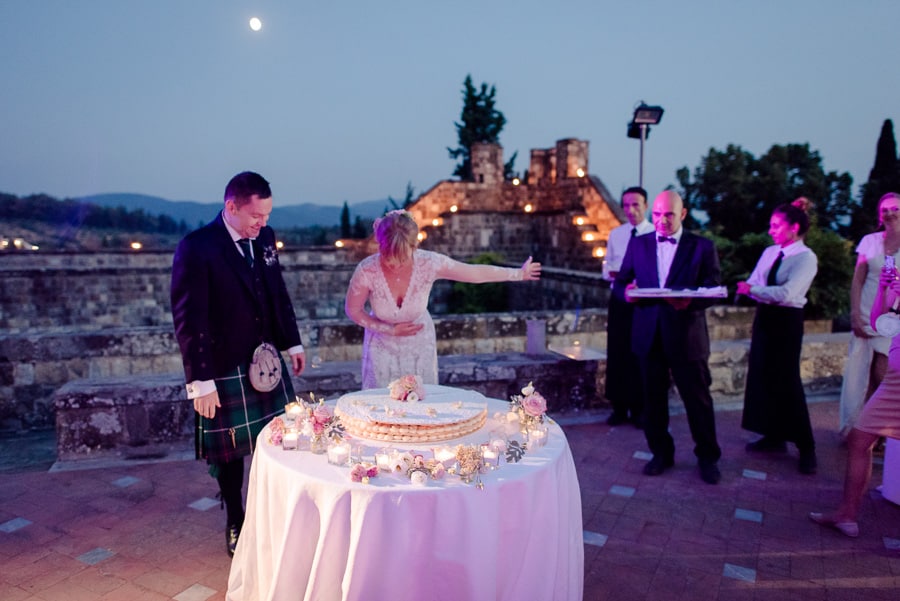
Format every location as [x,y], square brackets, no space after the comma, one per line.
[197,213]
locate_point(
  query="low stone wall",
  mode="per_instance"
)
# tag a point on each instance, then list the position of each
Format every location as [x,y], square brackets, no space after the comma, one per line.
[34,364]
[146,417]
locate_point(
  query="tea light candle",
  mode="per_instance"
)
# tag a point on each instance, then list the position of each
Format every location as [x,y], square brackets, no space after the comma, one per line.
[537,437]
[444,455]
[339,453]
[498,445]
[289,440]
[383,460]
[490,456]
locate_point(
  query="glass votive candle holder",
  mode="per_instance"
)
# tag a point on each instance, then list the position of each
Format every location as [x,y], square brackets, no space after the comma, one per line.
[445,455]
[490,456]
[384,459]
[290,439]
[292,412]
[339,453]
[537,436]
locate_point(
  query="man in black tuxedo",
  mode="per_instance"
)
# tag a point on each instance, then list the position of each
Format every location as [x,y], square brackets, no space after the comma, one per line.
[670,335]
[228,298]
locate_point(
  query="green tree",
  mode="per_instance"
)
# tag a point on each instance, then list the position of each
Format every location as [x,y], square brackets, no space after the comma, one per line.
[360,231]
[479,298]
[737,191]
[479,121]
[509,168]
[408,199]
[345,221]
[884,177]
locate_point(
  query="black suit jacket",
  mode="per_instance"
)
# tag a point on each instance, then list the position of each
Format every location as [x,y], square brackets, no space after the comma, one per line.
[219,316]
[683,333]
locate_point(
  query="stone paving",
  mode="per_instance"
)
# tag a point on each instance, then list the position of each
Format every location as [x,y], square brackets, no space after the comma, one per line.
[152,531]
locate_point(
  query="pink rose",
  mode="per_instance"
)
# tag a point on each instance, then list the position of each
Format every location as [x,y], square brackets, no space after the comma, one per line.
[534,404]
[322,414]
[358,472]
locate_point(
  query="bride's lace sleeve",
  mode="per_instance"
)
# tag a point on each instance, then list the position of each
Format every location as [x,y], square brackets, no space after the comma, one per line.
[355,303]
[451,269]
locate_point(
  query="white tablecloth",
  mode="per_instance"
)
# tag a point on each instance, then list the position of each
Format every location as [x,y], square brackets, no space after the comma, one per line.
[310,533]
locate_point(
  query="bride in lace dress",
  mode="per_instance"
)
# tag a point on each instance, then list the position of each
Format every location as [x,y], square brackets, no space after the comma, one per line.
[399,337]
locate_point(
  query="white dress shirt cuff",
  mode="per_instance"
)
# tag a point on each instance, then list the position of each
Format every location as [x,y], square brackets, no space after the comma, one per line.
[198,388]
[295,350]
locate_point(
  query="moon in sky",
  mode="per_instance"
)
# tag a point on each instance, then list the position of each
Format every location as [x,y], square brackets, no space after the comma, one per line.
[255,24]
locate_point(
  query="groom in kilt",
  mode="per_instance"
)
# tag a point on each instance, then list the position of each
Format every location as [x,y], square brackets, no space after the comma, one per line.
[233,319]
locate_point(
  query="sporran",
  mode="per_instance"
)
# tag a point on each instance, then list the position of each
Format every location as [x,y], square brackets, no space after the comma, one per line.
[265,368]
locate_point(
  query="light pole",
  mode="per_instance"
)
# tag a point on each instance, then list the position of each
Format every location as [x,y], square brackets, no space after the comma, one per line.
[644,116]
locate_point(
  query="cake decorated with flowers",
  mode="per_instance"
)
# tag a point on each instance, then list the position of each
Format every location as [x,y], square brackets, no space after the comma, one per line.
[439,413]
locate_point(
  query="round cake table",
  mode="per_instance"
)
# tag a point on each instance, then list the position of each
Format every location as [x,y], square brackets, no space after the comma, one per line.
[310,533]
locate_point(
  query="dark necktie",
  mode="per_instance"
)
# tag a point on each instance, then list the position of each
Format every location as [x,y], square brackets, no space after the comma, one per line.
[245,246]
[770,280]
[666,239]
[633,232]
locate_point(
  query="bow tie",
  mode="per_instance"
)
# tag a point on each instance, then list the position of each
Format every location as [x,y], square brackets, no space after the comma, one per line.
[667,239]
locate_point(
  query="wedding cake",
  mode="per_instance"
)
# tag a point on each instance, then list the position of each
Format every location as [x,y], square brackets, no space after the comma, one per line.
[444,413]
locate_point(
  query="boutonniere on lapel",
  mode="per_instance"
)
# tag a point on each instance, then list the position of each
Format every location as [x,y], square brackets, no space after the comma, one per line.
[270,256]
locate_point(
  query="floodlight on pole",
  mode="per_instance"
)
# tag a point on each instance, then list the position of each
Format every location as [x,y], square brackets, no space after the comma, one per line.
[639,128]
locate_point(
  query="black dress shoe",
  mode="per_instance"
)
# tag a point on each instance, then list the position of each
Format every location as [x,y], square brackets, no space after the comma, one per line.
[807,464]
[709,472]
[767,445]
[658,465]
[616,419]
[232,532]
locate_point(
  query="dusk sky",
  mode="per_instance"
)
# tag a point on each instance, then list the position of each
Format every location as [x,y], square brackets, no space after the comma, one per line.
[350,100]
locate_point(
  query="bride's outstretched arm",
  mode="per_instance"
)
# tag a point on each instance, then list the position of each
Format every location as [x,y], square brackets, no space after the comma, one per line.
[480,274]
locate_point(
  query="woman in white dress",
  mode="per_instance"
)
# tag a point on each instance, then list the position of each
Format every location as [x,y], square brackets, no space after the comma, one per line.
[396,283]
[868,352]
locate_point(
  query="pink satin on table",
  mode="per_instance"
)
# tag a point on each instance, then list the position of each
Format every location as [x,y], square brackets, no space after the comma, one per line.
[310,533]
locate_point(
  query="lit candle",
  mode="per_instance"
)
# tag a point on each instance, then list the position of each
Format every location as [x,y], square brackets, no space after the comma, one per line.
[289,440]
[339,454]
[444,455]
[490,456]
[383,461]
[537,437]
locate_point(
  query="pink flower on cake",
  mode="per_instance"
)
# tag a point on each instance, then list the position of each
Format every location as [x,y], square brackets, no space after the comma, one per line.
[407,388]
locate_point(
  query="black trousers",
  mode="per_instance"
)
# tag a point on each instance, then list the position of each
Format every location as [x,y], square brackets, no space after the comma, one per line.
[623,370]
[692,378]
[230,477]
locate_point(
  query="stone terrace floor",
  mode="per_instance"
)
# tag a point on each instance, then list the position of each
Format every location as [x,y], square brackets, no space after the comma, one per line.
[153,531]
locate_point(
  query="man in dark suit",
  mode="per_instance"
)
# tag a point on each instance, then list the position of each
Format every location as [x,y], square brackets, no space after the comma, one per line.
[670,335]
[228,298]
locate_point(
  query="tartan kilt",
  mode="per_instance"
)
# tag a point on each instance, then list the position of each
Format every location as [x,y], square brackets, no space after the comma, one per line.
[245,411]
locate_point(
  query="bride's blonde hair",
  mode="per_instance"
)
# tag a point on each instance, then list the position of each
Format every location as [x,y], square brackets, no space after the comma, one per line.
[397,234]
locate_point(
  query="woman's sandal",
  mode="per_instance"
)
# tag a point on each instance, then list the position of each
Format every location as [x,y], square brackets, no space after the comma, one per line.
[847,528]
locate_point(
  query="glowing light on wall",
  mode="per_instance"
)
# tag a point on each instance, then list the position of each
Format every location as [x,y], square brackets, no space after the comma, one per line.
[136,246]
[579,172]
[279,245]
[454,209]
[599,252]
[589,236]
[339,243]
[422,236]
[579,220]
[529,208]
[437,221]
[516,181]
